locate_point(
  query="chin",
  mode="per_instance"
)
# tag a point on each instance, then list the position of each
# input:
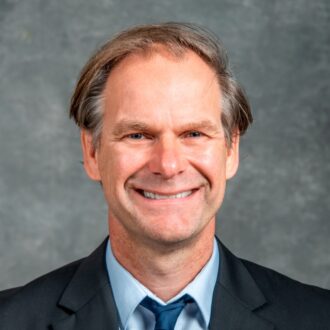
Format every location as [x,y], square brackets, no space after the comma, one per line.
[172,237]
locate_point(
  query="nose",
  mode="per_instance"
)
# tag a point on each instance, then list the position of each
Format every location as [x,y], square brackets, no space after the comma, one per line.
[167,158]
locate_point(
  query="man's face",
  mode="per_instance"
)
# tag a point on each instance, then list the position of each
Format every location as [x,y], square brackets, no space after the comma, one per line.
[162,159]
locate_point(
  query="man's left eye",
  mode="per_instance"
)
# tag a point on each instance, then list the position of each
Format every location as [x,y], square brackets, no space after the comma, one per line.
[136,136]
[193,134]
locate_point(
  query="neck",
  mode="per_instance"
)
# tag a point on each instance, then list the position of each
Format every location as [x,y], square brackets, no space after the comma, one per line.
[164,268]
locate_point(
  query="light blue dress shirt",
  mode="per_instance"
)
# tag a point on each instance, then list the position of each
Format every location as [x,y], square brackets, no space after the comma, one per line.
[129,292]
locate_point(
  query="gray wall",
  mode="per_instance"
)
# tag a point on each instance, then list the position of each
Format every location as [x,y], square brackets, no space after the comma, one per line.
[276,210]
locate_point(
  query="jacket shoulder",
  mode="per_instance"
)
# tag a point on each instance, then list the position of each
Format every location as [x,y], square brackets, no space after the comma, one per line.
[289,300]
[8,293]
[275,282]
[38,298]
[52,280]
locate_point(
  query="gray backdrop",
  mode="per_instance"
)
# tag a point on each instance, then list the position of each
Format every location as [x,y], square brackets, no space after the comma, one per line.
[276,211]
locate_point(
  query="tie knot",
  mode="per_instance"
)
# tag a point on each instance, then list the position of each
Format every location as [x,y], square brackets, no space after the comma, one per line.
[166,315]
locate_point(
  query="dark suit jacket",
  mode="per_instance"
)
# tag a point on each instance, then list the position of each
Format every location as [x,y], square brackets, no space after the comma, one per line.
[246,297]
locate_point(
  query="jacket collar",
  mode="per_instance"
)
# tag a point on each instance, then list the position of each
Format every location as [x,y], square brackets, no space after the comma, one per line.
[236,296]
[88,297]
[89,304]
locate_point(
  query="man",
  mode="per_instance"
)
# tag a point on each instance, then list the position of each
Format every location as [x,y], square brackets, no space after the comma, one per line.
[161,117]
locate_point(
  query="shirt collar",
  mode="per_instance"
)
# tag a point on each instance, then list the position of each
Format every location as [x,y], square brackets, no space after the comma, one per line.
[128,291]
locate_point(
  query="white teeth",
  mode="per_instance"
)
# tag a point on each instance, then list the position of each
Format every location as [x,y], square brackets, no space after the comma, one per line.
[151,195]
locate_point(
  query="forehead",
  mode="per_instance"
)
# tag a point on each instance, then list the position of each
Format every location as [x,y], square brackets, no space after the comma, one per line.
[167,66]
[144,85]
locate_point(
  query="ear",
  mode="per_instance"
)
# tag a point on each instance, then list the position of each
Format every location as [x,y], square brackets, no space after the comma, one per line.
[232,161]
[90,159]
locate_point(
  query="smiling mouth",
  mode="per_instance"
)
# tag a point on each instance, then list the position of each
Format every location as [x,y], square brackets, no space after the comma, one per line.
[151,195]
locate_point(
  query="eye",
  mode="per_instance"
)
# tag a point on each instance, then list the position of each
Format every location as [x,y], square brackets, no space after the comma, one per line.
[193,134]
[136,136]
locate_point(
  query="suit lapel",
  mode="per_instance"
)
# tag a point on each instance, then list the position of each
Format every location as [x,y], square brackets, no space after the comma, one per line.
[97,314]
[88,300]
[236,297]
[88,303]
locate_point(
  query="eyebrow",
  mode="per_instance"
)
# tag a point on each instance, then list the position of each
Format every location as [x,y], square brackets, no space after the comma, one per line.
[126,125]
[130,125]
[206,125]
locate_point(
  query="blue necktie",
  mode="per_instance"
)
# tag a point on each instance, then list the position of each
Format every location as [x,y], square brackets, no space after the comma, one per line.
[166,315]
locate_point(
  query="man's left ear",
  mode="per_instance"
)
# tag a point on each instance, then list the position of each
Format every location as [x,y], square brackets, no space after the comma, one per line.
[232,161]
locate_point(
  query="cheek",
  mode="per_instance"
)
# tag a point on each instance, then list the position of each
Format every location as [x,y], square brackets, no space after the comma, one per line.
[117,164]
[211,162]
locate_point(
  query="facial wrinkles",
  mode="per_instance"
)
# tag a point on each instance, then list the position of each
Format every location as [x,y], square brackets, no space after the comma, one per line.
[191,177]
[157,184]
[171,117]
